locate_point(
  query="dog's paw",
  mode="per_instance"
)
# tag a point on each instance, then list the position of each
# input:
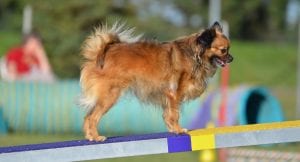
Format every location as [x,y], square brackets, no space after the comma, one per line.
[96,138]
[89,137]
[180,131]
[184,130]
[100,138]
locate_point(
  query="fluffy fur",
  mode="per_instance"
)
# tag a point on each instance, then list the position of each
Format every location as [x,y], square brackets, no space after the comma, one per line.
[164,74]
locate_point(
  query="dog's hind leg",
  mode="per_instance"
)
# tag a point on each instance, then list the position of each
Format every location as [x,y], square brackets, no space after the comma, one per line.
[108,97]
[171,113]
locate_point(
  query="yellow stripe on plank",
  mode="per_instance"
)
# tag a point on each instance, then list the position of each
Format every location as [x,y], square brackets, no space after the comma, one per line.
[244,128]
[205,138]
[203,142]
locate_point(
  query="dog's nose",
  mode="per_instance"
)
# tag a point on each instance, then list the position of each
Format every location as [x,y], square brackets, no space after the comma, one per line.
[229,58]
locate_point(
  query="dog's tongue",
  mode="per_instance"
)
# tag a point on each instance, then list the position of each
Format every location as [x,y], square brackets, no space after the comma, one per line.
[221,62]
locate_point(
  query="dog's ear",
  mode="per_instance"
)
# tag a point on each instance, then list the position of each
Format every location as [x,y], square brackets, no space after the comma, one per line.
[206,37]
[217,27]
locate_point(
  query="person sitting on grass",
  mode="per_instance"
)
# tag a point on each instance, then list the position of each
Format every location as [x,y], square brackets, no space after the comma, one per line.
[29,61]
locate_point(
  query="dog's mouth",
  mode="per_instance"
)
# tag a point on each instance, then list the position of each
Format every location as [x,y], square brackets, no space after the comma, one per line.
[221,61]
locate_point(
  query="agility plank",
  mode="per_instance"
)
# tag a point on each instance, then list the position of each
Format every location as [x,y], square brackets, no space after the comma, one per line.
[157,143]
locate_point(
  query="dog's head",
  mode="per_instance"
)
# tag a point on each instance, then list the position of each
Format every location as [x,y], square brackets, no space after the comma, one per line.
[214,46]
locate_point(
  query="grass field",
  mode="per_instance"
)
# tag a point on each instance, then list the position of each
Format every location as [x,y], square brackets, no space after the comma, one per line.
[8,40]
[268,64]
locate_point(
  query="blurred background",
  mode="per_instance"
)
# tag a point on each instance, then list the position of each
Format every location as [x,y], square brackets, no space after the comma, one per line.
[259,86]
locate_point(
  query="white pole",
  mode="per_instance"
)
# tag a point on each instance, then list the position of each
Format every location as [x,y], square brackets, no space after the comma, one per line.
[214,11]
[214,14]
[225,27]
[27,20]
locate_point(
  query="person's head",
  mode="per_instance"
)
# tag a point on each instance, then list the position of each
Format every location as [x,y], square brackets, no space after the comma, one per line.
[31,42]
[32,35]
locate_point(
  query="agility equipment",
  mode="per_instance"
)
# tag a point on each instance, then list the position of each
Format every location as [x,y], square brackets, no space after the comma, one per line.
[244,105]
[37,107]
[3,129]
[157,143]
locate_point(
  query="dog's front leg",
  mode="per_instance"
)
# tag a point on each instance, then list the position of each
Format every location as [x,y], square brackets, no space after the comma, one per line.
[171,113]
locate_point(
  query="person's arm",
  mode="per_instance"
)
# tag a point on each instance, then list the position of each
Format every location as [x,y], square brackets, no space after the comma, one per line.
[12,72]
[41,55]
[35,47]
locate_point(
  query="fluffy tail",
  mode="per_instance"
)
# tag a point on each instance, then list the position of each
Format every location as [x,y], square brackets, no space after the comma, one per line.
[93,51]
[96,44]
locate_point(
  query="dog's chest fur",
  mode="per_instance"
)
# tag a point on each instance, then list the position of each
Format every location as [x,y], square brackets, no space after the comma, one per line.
[195,85]
[181,81]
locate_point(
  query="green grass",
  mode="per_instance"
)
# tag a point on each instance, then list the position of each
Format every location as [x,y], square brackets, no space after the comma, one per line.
[25,138]
[8,40]
[267,64]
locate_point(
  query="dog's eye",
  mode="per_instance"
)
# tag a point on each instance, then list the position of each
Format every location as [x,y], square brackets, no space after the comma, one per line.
[224,50]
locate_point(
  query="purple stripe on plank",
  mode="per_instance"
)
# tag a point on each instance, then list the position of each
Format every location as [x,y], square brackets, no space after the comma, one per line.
[84,142]
[179,143]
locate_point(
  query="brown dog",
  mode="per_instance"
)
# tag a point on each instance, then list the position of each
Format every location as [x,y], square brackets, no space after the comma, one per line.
[163,74]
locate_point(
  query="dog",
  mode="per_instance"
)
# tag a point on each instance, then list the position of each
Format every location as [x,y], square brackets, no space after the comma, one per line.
[164,74]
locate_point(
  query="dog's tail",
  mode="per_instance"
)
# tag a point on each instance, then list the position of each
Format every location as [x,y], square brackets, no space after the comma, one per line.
[97,43]
[93,51]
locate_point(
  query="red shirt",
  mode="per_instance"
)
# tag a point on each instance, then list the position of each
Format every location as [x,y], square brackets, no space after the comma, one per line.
[23,62]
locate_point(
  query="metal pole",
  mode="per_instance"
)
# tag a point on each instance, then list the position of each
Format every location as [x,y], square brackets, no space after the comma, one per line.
[27,20]
[214,11]
[215,15]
